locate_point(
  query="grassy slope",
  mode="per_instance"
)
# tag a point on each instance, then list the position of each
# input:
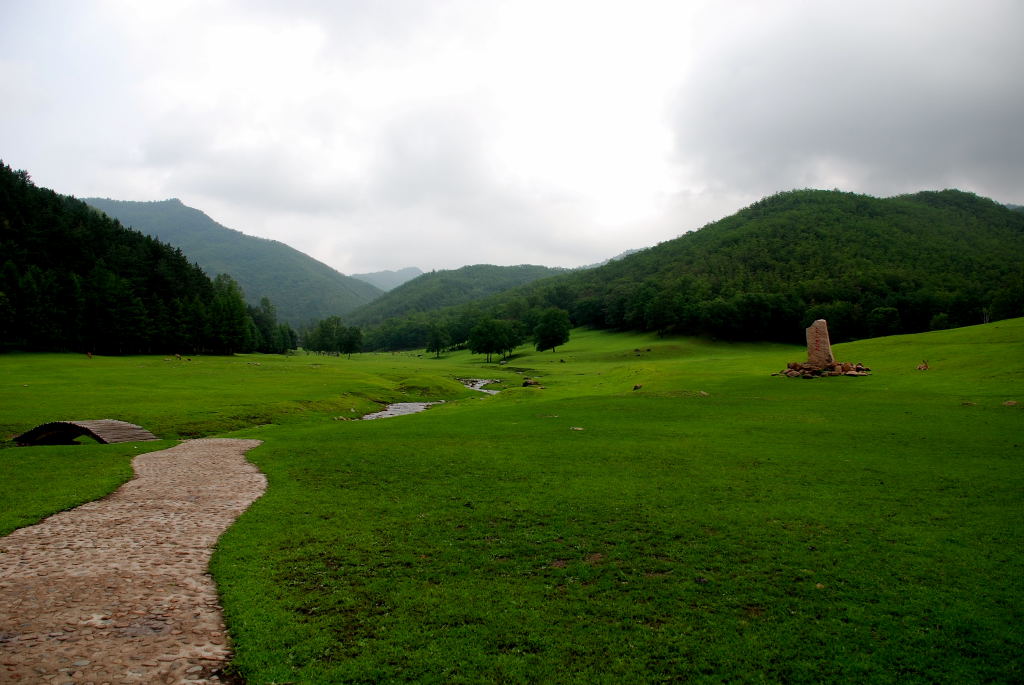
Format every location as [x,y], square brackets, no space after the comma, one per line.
[854,529]
[769,529]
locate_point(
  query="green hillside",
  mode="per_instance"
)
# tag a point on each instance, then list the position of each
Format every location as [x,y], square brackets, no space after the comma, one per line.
[869,266]
[301,288]
[447,288]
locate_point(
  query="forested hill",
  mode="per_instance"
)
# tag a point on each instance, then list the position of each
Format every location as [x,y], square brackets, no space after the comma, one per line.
[301,288]
[446,288]
[869,266]
[72,279]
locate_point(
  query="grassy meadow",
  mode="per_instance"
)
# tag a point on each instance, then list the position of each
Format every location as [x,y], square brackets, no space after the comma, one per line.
[716,524]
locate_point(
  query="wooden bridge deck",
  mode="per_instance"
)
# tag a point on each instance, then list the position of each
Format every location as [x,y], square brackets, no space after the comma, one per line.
[105,431]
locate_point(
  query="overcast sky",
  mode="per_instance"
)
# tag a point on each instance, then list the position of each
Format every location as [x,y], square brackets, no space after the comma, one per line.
[379,134]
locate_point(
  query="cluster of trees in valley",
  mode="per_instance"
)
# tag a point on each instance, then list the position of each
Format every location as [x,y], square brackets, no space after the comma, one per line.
[490,336]
[488,331]
[72,279]
[332,336]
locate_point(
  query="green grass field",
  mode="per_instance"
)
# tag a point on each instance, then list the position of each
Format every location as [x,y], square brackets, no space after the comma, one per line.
[717,524]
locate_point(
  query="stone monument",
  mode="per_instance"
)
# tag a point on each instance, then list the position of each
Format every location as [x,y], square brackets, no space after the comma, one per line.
[819,350]
[820,361]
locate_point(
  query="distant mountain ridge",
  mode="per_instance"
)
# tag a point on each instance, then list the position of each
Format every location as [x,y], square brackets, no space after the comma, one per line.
[389,280]
[447,288]
[300,287]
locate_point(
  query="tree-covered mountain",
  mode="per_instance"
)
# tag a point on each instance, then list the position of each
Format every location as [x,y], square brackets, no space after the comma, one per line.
[389,280]
[447,288]
[73,279]
[869,266]
[301,288]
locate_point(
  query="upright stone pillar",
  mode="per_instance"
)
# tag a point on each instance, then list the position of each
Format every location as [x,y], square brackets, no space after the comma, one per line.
[819,350]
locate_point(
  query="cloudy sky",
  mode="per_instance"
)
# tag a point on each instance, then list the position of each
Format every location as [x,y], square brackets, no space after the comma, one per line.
[379,134]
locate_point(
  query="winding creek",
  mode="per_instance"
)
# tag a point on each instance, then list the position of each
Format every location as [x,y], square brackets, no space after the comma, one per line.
[403,408]
[478,384]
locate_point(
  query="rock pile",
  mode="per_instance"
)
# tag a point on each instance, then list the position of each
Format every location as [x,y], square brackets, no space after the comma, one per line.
[808,370]
[820,361]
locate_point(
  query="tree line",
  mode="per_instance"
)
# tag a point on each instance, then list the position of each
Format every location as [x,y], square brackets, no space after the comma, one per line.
[479,333]
[490,331]
[332,336]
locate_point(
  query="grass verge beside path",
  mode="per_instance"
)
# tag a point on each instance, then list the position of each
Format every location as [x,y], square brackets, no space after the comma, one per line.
[174,398]
[36,482]
[716,524]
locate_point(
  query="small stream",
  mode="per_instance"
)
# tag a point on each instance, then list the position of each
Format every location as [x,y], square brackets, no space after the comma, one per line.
[403,408]
[478,384]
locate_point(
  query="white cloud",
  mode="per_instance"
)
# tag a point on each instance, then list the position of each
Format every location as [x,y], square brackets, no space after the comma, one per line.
[874,97]
[395,133]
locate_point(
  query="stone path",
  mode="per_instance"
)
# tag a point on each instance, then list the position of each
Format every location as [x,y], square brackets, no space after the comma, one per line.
[117,590]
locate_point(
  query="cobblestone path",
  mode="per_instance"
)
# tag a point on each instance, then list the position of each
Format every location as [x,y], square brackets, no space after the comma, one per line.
[117,590]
